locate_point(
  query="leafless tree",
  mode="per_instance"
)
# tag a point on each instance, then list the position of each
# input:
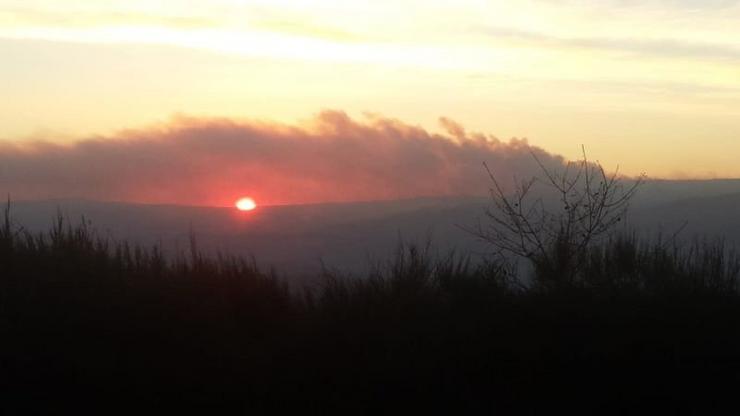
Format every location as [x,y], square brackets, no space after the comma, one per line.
[555,236]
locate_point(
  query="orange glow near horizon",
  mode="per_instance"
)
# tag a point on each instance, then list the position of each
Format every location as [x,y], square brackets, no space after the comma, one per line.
[245,204]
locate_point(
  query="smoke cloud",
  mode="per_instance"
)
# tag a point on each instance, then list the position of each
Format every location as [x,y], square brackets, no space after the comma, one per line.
[214,161]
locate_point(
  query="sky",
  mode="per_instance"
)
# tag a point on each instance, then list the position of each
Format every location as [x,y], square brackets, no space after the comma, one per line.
[652,86]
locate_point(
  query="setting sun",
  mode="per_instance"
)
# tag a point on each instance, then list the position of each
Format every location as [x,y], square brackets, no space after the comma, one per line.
[246,204]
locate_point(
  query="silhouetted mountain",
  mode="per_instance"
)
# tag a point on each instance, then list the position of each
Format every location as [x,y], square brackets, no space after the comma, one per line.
[698,217]
[291,238]
[295,239]
[656,192]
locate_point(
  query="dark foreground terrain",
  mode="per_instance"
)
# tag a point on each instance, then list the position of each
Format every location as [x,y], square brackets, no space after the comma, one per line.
[88,325]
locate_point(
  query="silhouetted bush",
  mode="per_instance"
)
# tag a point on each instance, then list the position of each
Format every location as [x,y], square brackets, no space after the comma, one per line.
[555,234]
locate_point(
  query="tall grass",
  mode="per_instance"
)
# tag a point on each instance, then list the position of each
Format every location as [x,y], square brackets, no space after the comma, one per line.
[626,263]
[82,315]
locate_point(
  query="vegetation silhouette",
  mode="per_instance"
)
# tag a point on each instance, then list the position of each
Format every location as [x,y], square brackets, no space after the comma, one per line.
[555,234]
[91,323]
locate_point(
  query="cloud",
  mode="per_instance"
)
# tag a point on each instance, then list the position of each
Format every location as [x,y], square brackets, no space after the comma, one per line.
[282,21]
[669,48]
[56,19]
[213,161]
[682,4]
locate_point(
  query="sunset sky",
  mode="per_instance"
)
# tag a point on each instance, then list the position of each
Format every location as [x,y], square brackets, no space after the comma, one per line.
[651,85]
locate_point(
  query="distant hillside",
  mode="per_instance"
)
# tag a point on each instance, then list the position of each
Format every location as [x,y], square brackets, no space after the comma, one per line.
[295,239]
[291,238]
[714,217]
[656,192]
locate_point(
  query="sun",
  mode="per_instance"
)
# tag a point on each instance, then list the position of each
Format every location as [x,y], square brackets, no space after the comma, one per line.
[245,204]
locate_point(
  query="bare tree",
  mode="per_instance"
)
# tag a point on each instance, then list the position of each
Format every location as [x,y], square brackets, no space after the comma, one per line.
[555,235]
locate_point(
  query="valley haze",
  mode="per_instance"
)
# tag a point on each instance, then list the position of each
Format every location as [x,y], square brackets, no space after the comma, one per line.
[296,240]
